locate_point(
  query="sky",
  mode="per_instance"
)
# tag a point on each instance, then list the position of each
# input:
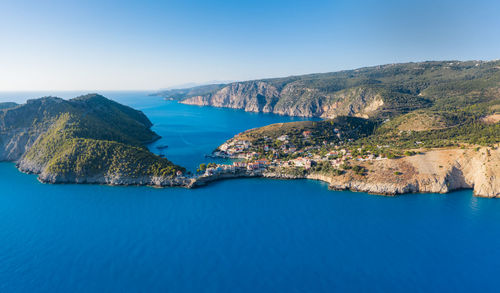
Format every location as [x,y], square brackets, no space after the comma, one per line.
[149,45]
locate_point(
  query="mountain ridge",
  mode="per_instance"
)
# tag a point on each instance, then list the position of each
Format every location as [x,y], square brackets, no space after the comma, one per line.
[382,91]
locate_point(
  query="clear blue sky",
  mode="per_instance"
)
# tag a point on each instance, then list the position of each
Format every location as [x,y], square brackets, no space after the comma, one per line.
[118,45]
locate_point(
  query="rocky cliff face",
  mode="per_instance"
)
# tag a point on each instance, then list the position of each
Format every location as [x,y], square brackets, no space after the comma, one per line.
[294,99]
[15,142]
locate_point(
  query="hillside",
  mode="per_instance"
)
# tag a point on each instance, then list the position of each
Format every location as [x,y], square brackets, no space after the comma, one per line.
[309,133]
[373,92]
[85,139]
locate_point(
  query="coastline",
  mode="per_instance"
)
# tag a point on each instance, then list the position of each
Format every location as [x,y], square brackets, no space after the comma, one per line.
[436,171]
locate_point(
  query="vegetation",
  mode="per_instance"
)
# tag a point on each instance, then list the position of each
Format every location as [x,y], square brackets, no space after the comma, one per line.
[359,170]
[201,168]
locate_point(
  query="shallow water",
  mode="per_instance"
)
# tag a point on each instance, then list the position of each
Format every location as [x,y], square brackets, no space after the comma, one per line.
[245,235]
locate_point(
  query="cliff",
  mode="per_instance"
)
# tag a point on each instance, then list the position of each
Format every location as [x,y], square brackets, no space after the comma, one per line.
[292,100]
[381,91]
[88,139]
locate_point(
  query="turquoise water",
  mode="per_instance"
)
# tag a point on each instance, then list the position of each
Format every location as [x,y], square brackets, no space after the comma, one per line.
[247,235]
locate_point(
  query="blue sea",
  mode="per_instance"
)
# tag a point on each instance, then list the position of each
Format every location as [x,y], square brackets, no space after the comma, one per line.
[245,235]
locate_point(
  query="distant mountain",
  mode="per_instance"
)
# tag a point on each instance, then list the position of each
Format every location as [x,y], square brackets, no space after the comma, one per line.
[373,92]
[184,93]
[188,90]
[88,139]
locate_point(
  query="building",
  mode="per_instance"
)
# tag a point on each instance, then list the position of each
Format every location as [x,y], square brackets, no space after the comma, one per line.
[284,137]
[240,164]
[303,162]
[253,166]
[263,162]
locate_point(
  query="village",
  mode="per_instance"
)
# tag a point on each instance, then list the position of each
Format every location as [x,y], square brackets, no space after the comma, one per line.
[282,153]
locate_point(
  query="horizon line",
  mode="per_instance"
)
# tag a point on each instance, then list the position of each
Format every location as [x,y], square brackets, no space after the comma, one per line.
[173,87]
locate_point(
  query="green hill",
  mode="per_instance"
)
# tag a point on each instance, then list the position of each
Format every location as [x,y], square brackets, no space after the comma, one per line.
[85,137]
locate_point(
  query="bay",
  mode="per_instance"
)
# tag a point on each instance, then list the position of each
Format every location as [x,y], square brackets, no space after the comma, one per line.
[245,235]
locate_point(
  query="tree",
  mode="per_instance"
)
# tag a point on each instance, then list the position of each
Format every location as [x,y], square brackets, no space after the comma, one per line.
[202,168]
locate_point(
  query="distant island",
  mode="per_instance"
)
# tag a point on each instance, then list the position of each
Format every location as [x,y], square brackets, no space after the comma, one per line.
[390,129]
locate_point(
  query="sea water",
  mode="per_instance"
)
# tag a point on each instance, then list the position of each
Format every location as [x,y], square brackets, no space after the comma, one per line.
[245,235]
